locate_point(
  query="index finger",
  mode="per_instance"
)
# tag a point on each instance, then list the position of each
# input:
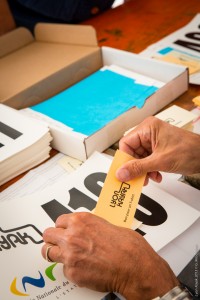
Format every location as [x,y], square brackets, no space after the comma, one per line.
[130,143]
[62,220]
[53,235]
[137,143]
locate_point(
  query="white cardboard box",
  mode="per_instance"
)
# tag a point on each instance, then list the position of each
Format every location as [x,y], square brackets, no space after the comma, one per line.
[176,83]
[33,69]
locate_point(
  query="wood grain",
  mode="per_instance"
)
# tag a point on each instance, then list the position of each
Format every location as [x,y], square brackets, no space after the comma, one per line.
[7,22]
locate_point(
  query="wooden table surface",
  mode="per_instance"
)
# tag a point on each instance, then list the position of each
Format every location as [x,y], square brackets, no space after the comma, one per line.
[137,24]
[7,22]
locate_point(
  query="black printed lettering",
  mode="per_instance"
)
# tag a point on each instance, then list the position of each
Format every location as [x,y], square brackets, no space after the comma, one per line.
[54,209]
[9,131]
[189,45]
[158,214]
[23,235]
[77,198]
[140,231]
[193,36]
[91,182]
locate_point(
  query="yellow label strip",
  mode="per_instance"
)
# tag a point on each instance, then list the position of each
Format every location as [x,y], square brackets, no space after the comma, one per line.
[118,200]
[196,100]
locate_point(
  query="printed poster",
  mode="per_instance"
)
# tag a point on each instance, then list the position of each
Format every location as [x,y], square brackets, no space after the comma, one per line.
[26,275]
[182,47]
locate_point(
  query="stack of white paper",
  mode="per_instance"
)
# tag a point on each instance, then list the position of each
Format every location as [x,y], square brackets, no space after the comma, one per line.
[24,143]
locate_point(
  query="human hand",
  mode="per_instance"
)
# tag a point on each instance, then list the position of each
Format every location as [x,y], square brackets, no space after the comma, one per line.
[107,258]
[159,146]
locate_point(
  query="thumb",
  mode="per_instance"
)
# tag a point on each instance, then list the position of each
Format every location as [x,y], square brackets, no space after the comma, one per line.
[135,168]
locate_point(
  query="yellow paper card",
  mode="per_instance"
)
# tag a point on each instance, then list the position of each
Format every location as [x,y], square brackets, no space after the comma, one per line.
[196,100]
[118,200]
[182,59]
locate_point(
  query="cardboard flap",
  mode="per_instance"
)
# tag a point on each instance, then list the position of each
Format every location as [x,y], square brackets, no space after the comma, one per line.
[68,34]
[15,40]
[153,68]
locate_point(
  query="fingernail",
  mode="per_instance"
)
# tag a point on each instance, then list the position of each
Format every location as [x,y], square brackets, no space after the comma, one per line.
[123,174]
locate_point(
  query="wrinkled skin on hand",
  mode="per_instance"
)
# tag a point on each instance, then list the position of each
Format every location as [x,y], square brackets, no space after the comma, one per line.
[159,146]
[107,258]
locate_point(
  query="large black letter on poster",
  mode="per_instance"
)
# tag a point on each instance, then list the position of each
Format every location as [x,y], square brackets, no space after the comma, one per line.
[9,131]
[157,214]
[77,199]
[195,36]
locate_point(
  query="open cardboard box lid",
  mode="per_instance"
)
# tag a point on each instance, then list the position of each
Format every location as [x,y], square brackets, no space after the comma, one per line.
[33,69]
